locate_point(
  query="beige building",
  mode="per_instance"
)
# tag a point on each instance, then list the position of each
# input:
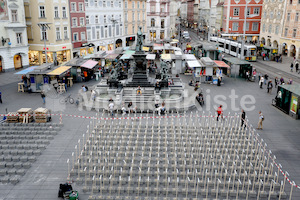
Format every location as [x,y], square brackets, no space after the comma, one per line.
[134,16]
[55,13]
[13,38]
[272,23]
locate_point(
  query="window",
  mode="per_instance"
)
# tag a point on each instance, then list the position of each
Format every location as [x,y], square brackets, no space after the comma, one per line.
[57,31]
[75,36]
[81,21]
[80,7]
[109,31]
[42,12]
[66,32]
[117,29]
[74,22]
[126,30]
[247,26]
[294,33]
[56,12]
[120,4]
[82,36]
[89,36]
[86,2]
[73,7]
[107,3]
[87,19]
[126,17]
[138,5]
[138,16]
[162,23]
[152,8]
[291,1]
[44,35]
[297,17]
[278,15]
[265,14]
[271,15]
[133,4]
[270,28]
[235,26]
[248,11]
[96,3]
[14,15]
[152,22]
[255,26]
[96,19]
[19,38]
[285,32]
[256,11]
[98,35]
[126,4]
[112,4]
[236,12]
[64,12]
[105,19]
[133,29]
[264,28]
[277,30]
[143,16]
[121,30]
[288,17]
[143,5]
[102,31]
[133,16]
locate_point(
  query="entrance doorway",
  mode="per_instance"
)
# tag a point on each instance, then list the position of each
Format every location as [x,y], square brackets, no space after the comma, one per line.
[18,61]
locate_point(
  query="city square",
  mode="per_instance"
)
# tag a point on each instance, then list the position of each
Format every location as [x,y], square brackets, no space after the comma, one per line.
[162,102]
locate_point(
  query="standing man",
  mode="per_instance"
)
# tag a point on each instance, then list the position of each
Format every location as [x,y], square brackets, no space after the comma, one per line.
[270,86]
[43,97]
[243,116]
[111,106]
[0,97]
[220,112]
[260,121]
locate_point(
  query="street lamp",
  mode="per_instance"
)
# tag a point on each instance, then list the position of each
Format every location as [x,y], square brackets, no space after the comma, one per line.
[44,26]
[114,21]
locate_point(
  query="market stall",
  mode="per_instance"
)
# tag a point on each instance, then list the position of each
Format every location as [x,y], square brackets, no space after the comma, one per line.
[207,70]
[238,66]
[88,69]
[288,100]
[127,55]
[196,66]
[223,68]
[166,57]
[209,50]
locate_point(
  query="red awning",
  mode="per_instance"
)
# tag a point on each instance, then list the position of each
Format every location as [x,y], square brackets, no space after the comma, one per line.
[221,64]
[90,64]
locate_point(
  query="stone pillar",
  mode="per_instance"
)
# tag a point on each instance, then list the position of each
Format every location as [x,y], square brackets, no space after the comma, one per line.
[297,53]
[289,51]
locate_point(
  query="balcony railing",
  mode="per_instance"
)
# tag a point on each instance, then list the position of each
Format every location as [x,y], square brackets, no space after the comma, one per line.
[163,14]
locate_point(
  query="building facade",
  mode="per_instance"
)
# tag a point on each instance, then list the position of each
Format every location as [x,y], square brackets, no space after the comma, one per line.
[234,14]
[78,27]
[55,14]
[174,16]
[158,20]
[290,36]
[190,13]
[104,24]
[13,45]
[219,17]
[134,16]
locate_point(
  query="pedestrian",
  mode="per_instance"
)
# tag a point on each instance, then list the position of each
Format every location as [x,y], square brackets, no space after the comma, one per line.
[254,74]
[259,76]
[297,67]
[270,86]
[111,106]
[276,81]
[220,112]
[247,75]
[281,81]
[0,97]
[260,121]
[83,88]
[43,97]
[292,66]
[93,95]
[243,116]
[266,78]
[290,81]
[219,81]
[139,90]
[130,107]
[261,82]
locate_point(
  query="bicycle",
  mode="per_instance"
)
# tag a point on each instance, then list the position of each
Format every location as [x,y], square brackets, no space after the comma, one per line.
[67,99]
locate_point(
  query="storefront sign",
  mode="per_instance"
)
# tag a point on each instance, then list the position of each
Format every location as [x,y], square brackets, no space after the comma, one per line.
[294,103]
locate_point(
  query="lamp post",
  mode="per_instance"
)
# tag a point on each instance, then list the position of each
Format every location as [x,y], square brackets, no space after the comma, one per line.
[114,21]
[44,26]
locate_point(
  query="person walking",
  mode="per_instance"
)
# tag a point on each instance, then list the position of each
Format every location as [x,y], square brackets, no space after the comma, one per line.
[276,81]
[43,97]
[220,112]
[259,76]
[266,78]
[243,116]
[0,97]
[270,86]
[292,66]
[261,82]
[260,121]
[297,67]
[111,106]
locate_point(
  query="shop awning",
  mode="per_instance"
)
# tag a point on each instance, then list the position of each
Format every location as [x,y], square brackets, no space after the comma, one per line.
[193,63]
[189,57]
[221,64]
[27,70]
[127,55]
[166,57]
[146,48]
[150,57]
[59,70]
[111,56]
[90,64]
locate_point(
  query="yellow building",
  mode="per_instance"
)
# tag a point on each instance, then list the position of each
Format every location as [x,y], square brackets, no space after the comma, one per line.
[54,13]
[134,16]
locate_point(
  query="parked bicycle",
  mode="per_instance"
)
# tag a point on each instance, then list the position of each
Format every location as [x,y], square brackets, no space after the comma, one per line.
[67,99]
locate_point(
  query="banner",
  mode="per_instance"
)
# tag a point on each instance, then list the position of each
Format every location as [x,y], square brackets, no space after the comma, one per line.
[294,103]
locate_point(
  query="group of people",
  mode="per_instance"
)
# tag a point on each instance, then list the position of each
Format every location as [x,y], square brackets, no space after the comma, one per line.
[264,80]
[296,64]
